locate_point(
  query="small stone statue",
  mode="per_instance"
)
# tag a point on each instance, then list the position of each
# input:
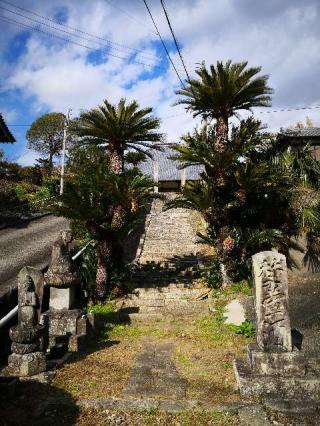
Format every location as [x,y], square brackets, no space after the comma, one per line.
[27,358]
[27,302]
[62,272]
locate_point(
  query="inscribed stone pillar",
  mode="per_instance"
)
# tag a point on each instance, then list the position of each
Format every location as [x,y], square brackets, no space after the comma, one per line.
[271,302]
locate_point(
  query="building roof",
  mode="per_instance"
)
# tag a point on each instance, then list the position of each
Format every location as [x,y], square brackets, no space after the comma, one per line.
[168,169]
[307,134]
[5,134]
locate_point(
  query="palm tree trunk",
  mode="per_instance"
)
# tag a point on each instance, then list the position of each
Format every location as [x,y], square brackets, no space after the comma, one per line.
[116,164]
[119,218]
[104,252]
[116,158]
[222,133]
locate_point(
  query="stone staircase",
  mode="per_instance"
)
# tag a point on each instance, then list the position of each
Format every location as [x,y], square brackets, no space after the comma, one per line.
[164,280]
[169,234]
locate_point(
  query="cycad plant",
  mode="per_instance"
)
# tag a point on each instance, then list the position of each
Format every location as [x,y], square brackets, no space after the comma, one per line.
[92,196]
[118,128]
[256,206]
[222,90]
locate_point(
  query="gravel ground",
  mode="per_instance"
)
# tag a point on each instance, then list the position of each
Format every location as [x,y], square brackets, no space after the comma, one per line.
[25,244]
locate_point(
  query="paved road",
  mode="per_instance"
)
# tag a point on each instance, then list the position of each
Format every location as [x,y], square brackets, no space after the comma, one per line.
[27,244]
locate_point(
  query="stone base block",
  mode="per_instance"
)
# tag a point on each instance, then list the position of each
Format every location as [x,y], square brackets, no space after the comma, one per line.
[25,348]
[62,298]
[27,365]
[276,363]
[252,384]
[63,322]
[77,343]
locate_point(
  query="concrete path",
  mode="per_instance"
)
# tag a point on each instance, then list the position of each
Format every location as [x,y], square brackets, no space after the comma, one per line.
[29,244]
[154,374]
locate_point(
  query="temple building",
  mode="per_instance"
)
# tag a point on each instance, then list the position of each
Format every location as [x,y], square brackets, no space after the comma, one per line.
[296,138]
[167,173]
[5,134]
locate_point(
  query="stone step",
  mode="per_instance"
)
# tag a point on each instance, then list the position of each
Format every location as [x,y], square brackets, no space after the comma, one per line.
[167,312]
[166,405]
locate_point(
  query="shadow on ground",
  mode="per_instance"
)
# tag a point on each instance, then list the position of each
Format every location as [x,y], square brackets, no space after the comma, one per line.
[37,404]
[176,269]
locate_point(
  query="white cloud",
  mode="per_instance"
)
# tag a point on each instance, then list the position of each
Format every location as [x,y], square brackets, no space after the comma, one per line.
[27,157]
[283,37]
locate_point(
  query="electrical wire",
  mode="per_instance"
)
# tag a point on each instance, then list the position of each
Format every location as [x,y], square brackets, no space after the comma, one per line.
[263,112]
[183,113]
[128,15]
[99,40]
[68,40]
[174,38]
[163,43]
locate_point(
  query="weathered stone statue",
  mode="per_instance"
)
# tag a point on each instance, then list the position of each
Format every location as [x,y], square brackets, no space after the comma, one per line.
[62,275]
[274,367]
[62,272]
[27,358]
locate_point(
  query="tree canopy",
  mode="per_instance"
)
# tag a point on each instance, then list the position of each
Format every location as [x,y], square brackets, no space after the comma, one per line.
[119,127]
[46,135]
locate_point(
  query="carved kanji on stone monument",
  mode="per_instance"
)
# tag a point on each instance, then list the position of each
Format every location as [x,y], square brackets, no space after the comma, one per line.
[271,301]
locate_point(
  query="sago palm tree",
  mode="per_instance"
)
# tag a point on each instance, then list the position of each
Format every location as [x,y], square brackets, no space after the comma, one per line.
[118,127]
[258,182]
[222,90]
[92,196]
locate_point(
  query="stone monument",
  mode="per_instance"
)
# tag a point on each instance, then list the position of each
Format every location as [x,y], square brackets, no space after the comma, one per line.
[62,275]
[68,325]
[28,357]
[274,368]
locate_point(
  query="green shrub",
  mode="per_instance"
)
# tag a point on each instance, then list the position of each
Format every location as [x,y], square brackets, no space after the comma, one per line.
[212,274]
[87,263]
[9,200]
[52,183]
[247,328]
[24,189]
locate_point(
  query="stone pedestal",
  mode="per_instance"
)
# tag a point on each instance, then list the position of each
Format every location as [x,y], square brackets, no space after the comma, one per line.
[274,369]
[276,386]
[276,363]
[28,364]
[68,327]
[62,298]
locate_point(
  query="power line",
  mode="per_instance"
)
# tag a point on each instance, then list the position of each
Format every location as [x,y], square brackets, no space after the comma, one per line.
[288,109]
[174,38]
[68,40]
[261,112]
[183,113]
[99,40]
[128,14]
[163,43]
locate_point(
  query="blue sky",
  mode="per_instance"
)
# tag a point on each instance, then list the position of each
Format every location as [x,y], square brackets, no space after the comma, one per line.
[41,72]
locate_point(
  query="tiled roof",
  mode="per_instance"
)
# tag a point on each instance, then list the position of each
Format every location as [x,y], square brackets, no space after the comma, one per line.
[168,169]
[5,134]
[304,133]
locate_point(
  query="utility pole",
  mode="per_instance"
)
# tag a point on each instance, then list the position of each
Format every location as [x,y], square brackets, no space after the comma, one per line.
[65,128]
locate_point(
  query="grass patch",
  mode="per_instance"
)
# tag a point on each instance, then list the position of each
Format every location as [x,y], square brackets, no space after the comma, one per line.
[223,295]
[204,351]
[102,310]
[155,417]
